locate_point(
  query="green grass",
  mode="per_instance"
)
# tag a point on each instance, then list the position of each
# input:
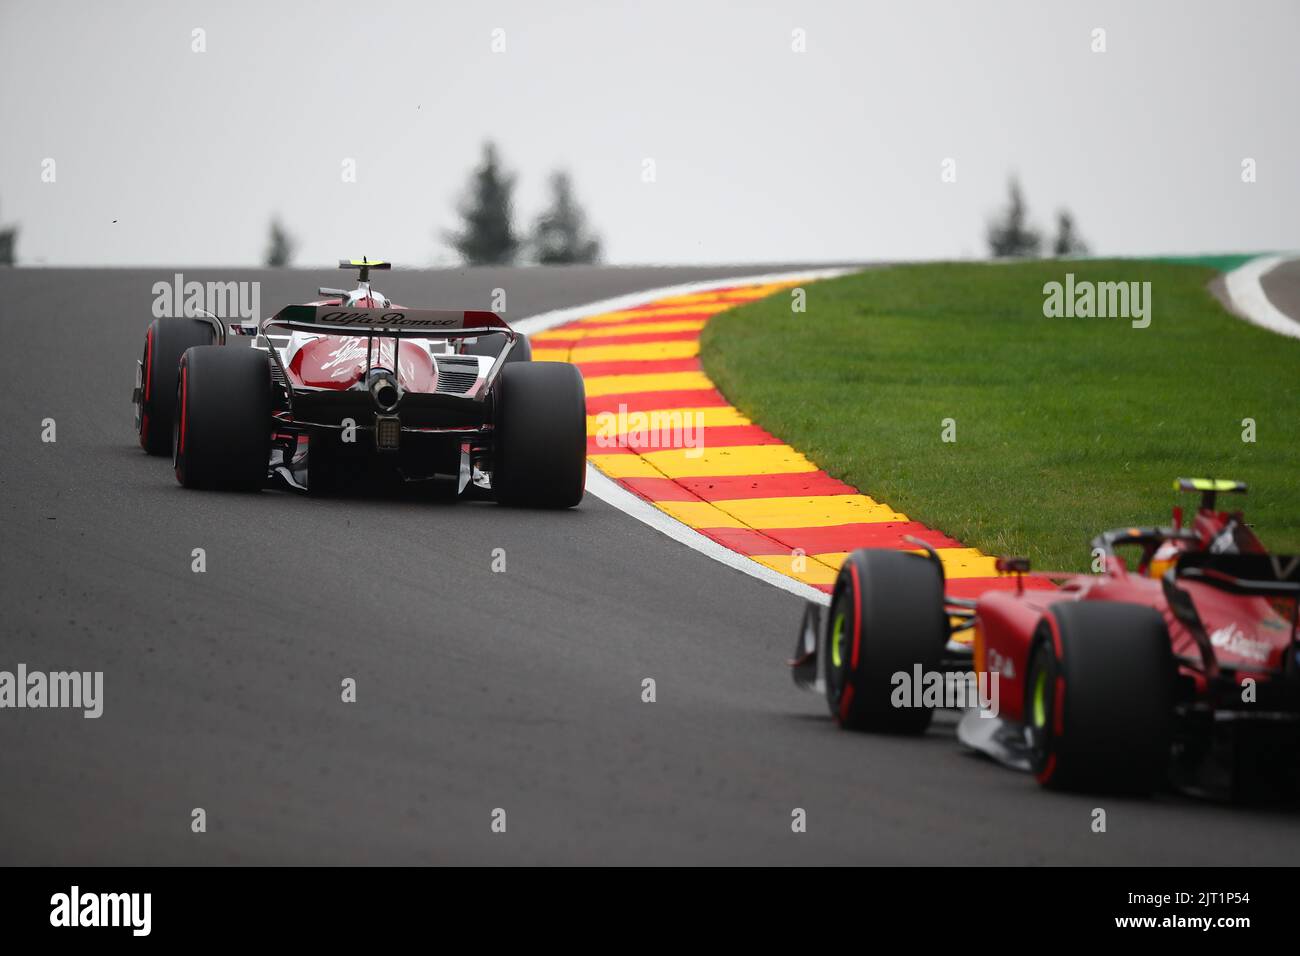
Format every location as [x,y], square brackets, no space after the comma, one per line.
[1064,426]
[1223,263]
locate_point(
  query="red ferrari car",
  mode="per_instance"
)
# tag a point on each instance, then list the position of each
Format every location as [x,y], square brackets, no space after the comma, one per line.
[1180,669]
[354,388]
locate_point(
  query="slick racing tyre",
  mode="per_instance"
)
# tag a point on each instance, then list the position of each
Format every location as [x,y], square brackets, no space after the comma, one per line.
[540,455]
[1099,698]
[223,418]
[887,616]
[164,344]
[492,345]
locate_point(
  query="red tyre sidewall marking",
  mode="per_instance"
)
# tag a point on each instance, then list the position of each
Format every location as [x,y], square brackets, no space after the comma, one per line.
[1058,697]
[846,695]
[1058,701]
[1048,770]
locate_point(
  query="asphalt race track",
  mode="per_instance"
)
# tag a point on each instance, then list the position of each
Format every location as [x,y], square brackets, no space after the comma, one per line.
[1282,286]
[475,690]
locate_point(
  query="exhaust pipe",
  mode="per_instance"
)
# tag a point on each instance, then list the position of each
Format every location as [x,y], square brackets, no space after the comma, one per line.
[384,389]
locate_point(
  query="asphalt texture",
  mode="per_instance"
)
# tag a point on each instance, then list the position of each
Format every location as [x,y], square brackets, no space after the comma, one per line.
[1282,286]
[475,690]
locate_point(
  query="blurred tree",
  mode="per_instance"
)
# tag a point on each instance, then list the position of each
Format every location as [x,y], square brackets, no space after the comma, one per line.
[1010,236]
[1068,242]
[8,245]
[560,234]
[488,236]
[279,251]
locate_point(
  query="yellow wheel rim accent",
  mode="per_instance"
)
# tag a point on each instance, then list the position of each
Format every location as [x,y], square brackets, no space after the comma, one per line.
[1040,699]
[837,639]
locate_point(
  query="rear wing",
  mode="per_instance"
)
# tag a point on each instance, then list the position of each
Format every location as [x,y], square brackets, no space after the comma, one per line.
[390,322]
[364,265]
[1210,489]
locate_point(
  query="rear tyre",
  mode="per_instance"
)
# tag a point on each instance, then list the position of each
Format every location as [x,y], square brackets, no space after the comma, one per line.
[491,345]
[540,454]
[887,616]
[1099,698]
[164,344]
[223,418]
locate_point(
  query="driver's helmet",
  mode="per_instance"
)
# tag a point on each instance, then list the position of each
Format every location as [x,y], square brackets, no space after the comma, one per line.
[358,299]
[1163,559]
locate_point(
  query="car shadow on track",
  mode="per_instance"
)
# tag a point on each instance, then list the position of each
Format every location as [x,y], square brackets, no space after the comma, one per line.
[942,734]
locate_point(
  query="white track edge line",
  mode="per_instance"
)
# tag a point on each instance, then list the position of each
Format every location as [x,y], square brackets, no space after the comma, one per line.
[1245,289]
[612,493]
[548,320]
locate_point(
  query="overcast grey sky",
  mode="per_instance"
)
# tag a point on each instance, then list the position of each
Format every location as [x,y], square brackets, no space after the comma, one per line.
[168,156]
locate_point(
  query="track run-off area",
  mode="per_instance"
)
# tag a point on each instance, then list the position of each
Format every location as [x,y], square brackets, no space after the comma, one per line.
[657,425]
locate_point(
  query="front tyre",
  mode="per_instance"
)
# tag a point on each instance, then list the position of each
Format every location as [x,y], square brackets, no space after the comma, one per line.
[155,395]
[1099,698]
[540,454]
[223,418]
[887,617]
